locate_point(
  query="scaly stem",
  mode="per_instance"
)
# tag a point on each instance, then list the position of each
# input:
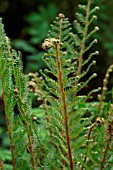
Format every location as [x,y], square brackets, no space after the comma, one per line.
[1,164]
[83,39]
[88,137]
[105,153]
[106,148]
[105,82]
[61,19]
[30,138]
[10,135]
[80,60]
[63,99]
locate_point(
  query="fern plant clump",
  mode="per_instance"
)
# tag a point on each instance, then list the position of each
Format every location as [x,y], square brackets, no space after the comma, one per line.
[65,131]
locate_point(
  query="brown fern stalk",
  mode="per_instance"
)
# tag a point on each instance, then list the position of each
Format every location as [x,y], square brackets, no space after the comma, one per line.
[30,138]
[80,60]
[105,152]
[63,99]
[105,83]
[61,16]
[109,133]
[1,164]
[33,160]
[60,39]
[10,137]
[88,137]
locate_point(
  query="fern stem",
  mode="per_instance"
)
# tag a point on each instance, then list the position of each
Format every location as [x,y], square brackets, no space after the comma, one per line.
[1,164]
[105,152]
[60,39]
[33,161]
[88,137]
[10,138]
[63,98]
[61,19]
[80,59]
[105,82]
[30,138]
[83,39]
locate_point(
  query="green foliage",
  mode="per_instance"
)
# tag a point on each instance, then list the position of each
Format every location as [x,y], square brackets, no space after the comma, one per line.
[65,132]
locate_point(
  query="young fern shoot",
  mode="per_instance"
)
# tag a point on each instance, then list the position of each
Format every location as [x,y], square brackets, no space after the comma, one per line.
[65,83]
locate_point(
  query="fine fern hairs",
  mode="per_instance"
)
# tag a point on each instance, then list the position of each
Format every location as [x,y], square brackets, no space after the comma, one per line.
[65,132]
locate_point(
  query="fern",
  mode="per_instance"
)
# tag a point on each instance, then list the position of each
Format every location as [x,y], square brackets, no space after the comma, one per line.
[65,91]
[15,92]
[66,135]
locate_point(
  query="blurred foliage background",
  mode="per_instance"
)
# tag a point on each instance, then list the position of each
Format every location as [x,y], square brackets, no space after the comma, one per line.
[27,23]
